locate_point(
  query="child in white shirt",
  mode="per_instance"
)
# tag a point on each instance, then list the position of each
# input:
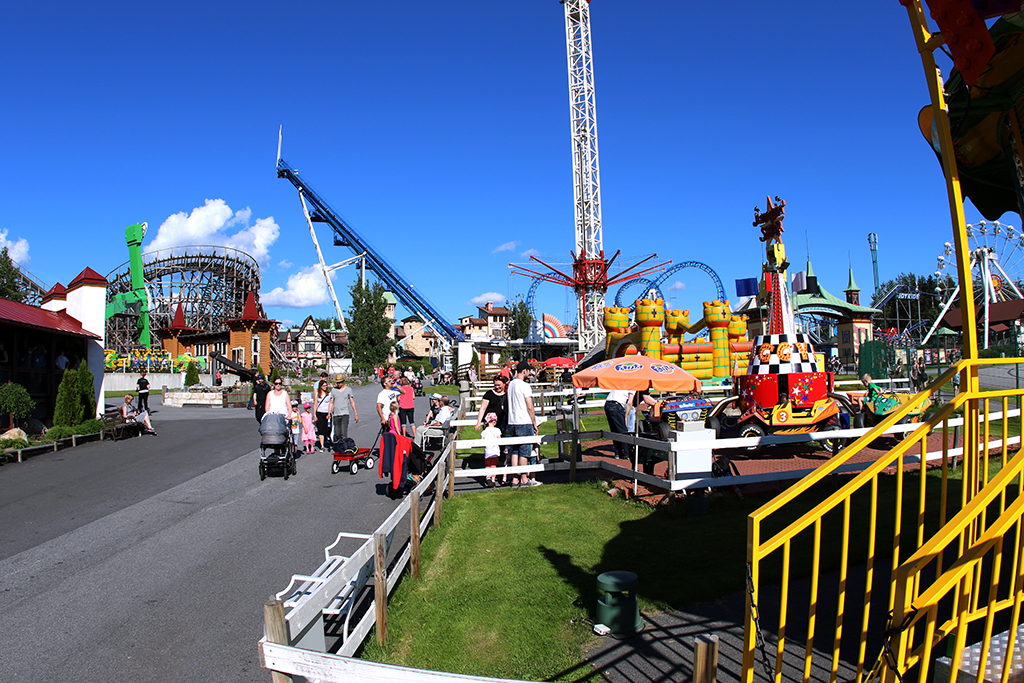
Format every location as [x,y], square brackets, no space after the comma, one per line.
[491,450]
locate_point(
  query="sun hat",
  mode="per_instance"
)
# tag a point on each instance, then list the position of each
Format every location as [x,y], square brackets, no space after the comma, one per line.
[491,417]
[435,396]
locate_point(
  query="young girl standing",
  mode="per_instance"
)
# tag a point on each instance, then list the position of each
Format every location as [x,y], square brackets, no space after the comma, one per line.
[308,432]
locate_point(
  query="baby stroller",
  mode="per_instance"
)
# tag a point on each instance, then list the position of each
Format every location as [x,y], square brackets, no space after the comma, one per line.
[417,387]
[277,450]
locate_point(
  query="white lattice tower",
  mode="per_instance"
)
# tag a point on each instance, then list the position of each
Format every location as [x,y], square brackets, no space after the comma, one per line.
[586,175]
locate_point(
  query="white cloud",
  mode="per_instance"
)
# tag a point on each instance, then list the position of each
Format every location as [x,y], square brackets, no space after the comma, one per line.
[508,246]
[493,297]
[304,289]
[16,249]
[530,252]
[210,223]
[676,286]
[286,264]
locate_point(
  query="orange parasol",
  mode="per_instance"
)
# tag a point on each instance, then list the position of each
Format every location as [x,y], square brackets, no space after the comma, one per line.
[637,373]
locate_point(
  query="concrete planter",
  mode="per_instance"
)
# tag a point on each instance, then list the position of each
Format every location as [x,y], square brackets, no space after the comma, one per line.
[210,398]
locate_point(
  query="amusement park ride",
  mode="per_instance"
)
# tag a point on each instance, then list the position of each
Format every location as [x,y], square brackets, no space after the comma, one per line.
[589,277]
[135,302]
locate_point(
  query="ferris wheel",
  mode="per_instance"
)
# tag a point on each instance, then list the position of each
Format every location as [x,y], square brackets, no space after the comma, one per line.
[997,268]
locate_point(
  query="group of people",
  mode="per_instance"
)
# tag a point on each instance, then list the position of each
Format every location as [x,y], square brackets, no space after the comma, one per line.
[508,410]
[317,425]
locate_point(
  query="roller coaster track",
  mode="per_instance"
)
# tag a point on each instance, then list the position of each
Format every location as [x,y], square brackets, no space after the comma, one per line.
[392,279]
[655,283]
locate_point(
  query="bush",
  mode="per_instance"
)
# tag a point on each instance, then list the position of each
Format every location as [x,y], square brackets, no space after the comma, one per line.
[89,427]
[191,374]
[68,409]
[15,400]
[57,433]
[86,389]
[274,374]
[13,443]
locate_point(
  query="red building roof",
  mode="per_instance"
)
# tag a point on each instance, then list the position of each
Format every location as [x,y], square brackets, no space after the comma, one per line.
[88,277]
[56,292]
[13,313]
[251,312]
[178,324]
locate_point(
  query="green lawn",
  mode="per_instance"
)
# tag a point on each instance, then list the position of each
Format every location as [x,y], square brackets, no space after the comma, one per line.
[509,580]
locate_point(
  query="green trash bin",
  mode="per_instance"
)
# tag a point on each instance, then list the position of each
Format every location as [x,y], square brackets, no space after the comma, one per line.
[617,608]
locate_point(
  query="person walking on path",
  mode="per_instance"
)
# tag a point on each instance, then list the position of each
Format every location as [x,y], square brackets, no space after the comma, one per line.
[143,391]
[277,401]
[323,412]
[308,432]
[384,398]
[955,381]
[341,401]
[260,391]
[522,421]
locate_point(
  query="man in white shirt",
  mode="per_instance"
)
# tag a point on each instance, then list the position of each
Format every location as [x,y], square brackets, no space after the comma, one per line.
[438,421]
[615,407]
[384,399]
[522,421]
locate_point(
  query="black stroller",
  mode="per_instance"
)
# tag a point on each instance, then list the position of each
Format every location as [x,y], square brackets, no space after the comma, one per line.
[417,387]
[277,450]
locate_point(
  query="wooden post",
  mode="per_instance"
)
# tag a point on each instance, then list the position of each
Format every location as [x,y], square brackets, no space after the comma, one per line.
[705,659]
[451,472]
[414,538]
[277,631]
[438,494]
[380,587]
[575,434]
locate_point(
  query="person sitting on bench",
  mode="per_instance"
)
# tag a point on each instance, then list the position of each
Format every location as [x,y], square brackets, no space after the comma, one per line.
[129,414]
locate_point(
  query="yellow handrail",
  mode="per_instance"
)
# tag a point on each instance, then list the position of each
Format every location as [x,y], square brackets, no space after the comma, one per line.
[762,545]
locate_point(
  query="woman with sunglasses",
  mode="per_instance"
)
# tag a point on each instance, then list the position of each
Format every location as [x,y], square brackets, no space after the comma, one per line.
[278,400]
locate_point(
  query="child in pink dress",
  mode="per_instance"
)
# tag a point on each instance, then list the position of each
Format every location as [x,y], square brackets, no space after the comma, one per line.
[308,431]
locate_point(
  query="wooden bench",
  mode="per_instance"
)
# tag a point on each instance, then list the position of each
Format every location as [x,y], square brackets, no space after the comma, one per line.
[115,425]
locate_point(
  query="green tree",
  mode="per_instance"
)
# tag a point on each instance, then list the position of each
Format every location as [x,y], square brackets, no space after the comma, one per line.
[519,320]
[325,323]
[67,411]
[274,374]
[10,278]
[367,327]
[15,401]
[86,390]
[191,374]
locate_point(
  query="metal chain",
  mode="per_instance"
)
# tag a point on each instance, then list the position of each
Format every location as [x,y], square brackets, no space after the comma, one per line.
[769,670]
[887,657]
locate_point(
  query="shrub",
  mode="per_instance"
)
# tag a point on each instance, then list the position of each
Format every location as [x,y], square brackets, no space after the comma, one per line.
[68,409]
[15,400]
[274,374]
[86,391]
[13,443]
[89,427]
[57,433]
[191,374]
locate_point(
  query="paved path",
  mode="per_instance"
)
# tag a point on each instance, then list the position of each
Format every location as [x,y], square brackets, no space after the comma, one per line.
[149,559]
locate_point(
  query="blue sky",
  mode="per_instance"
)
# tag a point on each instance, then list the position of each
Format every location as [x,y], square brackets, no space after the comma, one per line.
[440,131]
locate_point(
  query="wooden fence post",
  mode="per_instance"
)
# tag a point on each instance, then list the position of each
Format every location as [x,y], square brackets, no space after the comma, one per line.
[451,472]
[277,632]
[438,494]
[414,538]
[380,587]
[705,659]
[574,455]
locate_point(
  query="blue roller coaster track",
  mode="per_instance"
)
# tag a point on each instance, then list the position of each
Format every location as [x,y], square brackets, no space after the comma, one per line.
[348,237]
[655,283]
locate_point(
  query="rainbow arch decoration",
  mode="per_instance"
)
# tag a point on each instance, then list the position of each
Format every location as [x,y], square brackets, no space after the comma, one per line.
[553,327]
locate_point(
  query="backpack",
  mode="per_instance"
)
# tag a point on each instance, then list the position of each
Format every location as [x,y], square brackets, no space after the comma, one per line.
[345,444]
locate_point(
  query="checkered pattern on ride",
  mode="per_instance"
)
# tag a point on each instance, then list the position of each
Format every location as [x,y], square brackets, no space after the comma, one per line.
[782,353]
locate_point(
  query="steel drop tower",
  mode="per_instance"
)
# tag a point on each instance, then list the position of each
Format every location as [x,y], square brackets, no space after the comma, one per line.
[590,269]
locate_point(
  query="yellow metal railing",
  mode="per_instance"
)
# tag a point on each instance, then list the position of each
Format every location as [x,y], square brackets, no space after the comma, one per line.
[868,525]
